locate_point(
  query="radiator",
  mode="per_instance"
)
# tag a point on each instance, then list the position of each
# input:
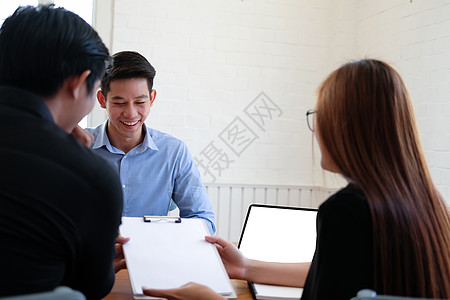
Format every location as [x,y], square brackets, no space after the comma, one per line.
[230,202]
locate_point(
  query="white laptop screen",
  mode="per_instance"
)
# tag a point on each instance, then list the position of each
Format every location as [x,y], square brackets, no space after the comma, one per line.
[279,233]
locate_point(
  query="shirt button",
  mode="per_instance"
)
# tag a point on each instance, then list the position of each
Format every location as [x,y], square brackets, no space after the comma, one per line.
[123,185]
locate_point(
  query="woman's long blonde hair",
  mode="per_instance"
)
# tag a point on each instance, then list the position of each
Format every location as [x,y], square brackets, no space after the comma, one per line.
[365,120]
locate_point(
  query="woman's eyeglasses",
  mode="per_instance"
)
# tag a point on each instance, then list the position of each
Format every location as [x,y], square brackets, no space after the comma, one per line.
[310,119]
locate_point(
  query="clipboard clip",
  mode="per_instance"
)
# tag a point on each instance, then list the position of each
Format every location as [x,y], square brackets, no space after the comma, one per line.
[169,219]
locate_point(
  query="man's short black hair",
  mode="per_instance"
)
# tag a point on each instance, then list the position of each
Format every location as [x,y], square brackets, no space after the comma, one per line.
[41,47]
[127,65]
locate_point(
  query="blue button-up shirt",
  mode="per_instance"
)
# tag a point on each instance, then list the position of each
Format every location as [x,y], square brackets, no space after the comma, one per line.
[159,169]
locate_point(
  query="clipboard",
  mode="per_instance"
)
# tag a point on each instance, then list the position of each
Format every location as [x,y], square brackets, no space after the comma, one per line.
[166,252]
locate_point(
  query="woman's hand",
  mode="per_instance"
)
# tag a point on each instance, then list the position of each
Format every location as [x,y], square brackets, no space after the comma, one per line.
[189,291]
[234,261]
[240,267]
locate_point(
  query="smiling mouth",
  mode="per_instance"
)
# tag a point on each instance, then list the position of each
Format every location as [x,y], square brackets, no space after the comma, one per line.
[130,123]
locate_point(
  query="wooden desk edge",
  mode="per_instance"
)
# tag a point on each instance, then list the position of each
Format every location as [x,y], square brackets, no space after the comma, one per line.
[122,288]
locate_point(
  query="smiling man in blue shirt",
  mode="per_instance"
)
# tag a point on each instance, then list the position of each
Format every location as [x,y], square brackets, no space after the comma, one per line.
[154,167]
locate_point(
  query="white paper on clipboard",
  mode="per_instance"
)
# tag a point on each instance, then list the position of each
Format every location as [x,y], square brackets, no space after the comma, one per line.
[167,255]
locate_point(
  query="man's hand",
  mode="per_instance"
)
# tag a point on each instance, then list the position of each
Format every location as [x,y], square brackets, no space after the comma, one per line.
[119,260]
[189,291]
[83,136]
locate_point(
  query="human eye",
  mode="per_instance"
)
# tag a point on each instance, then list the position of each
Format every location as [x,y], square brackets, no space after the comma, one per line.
[140,101]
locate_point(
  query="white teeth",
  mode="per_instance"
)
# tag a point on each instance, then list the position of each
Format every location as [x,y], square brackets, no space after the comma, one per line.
[130,124]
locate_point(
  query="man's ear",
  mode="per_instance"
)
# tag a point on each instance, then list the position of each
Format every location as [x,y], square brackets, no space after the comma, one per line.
[101,99]
[152,97]
[76,84]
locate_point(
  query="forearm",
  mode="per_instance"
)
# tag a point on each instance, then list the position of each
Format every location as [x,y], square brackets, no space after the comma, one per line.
[287,274]
[207,217]
[211,226]
[197,208]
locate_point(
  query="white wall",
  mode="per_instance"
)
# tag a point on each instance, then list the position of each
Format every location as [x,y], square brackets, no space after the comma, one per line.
[214,57]
[415,39]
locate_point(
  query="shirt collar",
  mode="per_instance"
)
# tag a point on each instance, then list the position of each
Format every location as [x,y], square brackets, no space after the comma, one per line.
[148,140]
[103,140]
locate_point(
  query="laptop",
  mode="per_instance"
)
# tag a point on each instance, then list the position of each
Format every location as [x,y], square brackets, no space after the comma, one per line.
[278,234]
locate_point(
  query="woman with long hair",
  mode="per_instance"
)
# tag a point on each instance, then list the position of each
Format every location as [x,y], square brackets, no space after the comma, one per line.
[389,229]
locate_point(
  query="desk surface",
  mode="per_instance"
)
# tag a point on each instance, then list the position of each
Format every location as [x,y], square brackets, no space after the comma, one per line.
[122,288]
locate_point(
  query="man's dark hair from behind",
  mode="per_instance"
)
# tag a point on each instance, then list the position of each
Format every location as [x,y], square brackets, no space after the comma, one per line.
[60,45]
[127,65]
